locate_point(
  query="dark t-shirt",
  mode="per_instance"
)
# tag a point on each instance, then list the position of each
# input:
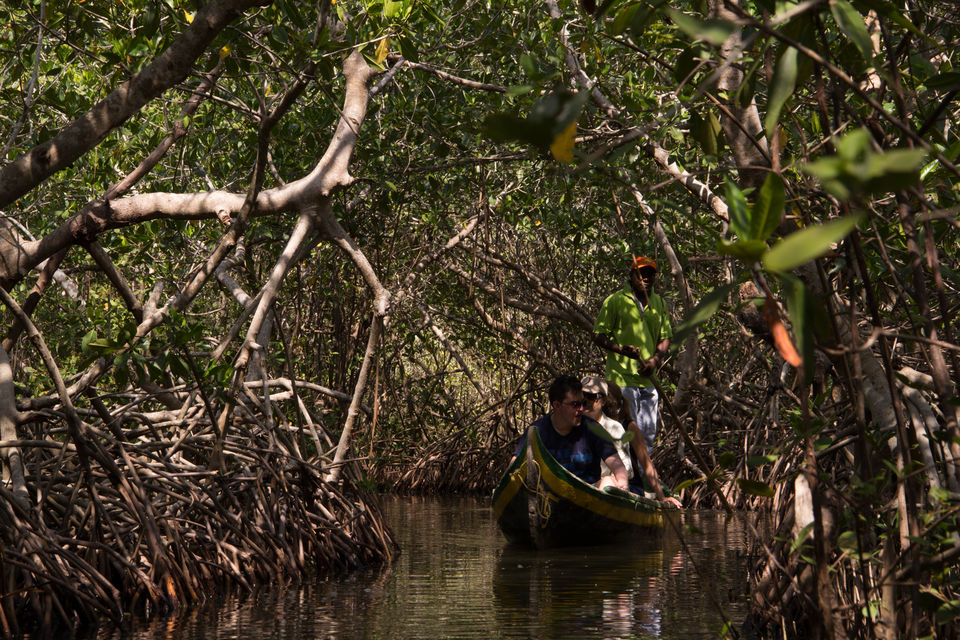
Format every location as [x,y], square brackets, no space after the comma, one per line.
[580,451]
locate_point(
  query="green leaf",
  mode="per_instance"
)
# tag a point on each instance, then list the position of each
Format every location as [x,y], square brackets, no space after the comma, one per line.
[642,19]
[408,50]
[949,81]
[801,538]
[714,31]
[558,109]
[279,35]
[808,243]
[851,23]
[688,60]
[120,371]
[519,90]
[528,65]
[830,172]
[624,18]
[87,338]
[548,118]
[704,310]
[504,127]
[103,346]
[706,132]
[892,12]
[929,168]
[391,8]
[857,170]
[746,90]
[737,210]
[598,430]
[948,612]
[768,208]
[690,482]
[781,88]
[749,251]
[179,367]
[755,488]
[854,145]
[759,461]
[727,459]
[891,170]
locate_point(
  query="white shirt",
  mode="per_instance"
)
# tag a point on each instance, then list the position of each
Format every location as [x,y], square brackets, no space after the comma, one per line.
[616,430]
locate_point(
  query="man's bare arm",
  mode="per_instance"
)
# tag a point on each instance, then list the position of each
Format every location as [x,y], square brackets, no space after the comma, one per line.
[605,341]
[646,464]
[619,473]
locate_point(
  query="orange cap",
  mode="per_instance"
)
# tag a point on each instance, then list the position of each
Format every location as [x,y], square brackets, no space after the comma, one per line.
[643,261]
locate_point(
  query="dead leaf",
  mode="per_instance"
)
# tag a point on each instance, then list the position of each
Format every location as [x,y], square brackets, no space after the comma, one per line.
[562,146]
[382,50]
[780,335]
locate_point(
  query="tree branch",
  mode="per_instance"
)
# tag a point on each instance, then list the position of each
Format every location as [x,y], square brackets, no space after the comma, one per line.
[87,131]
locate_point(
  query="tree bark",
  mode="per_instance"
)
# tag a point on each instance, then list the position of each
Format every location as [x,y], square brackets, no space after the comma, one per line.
[741,126]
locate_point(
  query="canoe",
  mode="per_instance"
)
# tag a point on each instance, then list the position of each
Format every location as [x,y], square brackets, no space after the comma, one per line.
[539,503]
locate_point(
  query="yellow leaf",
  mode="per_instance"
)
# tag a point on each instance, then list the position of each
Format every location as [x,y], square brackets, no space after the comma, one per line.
[188,16]
[562,146]
[383,49]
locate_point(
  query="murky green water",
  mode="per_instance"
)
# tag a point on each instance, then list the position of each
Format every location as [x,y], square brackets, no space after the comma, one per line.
[456,578]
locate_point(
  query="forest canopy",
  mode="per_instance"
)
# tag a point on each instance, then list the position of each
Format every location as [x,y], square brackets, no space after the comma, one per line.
[353,241]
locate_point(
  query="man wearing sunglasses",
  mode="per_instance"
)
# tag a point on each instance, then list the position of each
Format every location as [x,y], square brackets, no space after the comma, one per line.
[565,434]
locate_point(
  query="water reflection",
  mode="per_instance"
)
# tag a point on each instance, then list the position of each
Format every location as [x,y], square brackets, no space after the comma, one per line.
[569,592]
[457,578]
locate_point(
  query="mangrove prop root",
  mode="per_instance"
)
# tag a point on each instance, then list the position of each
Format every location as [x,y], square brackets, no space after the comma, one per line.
[91,545]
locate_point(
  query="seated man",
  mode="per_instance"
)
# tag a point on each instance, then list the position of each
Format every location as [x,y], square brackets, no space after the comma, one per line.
[565,435]
[597,397]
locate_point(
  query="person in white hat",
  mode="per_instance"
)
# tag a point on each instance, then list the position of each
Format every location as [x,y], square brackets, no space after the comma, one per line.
[596,391]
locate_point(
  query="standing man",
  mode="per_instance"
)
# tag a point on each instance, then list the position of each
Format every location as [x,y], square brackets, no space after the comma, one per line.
[634,327]
[565,434]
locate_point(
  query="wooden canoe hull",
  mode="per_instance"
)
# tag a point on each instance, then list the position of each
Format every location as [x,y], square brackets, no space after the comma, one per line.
[547,506]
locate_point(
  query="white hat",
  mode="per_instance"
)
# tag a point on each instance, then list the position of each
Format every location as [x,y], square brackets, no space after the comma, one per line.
[594,384]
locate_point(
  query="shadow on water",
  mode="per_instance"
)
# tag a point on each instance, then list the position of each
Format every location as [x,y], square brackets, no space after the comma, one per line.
[457,578]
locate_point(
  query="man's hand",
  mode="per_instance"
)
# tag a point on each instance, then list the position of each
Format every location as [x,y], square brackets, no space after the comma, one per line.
[611,480]
[672,502]
[663,346]
[649,367]
[630,351]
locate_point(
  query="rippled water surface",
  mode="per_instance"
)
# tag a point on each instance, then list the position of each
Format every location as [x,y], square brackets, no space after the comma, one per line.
[456,578]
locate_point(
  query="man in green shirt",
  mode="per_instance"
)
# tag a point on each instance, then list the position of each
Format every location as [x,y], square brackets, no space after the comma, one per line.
[634,327]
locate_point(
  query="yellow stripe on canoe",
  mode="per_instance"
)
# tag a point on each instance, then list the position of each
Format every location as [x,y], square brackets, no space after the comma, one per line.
[585,498]
[509,491]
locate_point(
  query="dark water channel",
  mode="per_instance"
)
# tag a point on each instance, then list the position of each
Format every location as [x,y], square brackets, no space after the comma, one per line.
[456,578]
